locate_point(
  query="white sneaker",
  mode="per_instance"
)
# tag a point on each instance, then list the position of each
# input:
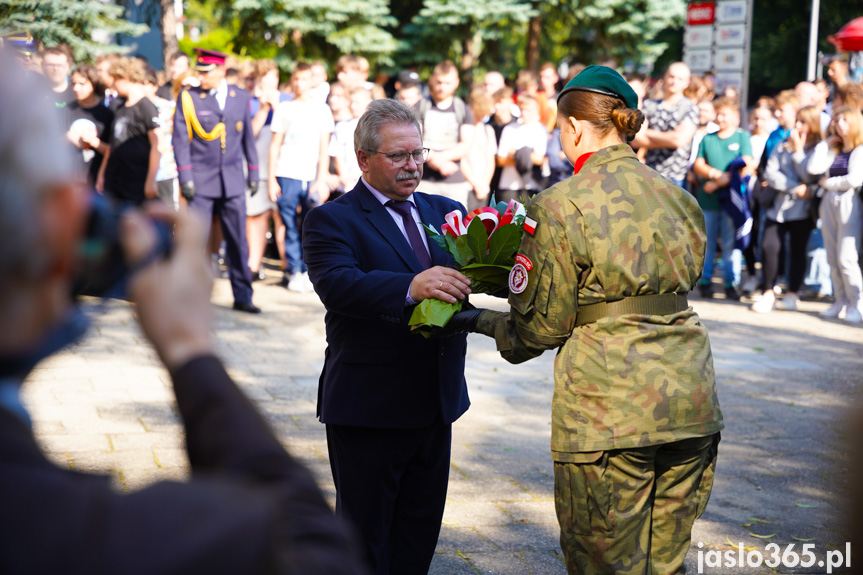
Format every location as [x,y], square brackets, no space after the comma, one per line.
[765,303]
[789,302]
[777,290]
[750,285]
[834,310]
[853,315]
[297,283]
[308,282]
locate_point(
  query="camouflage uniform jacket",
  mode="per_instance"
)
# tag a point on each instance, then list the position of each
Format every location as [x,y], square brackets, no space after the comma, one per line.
[614,230]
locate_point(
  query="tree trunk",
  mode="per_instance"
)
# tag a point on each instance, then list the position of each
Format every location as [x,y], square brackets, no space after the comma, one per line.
[170,44]
[467,55]
[534,29]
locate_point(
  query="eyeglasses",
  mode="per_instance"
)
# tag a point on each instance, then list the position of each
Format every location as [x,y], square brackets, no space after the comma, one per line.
[400,159]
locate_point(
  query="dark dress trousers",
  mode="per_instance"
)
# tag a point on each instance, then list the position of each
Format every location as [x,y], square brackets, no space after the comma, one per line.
[249,507]
[388,398]
[219,177]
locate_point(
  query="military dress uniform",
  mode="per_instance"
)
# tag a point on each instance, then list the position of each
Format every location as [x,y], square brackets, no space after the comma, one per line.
[602,272]
[210,144]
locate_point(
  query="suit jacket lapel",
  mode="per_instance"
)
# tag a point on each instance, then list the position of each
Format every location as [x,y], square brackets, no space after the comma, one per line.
[428,215]
[383,222]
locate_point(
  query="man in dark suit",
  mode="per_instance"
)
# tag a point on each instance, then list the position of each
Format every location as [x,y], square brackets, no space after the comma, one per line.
[249,507]
[388,398]
[212,135]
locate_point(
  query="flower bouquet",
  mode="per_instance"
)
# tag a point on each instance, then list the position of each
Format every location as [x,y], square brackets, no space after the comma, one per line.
[484,246]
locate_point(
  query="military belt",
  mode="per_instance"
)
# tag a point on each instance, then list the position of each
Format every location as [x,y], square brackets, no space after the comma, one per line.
[655,304]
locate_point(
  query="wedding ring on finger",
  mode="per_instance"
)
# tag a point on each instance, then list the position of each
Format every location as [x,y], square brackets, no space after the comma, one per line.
[440,286]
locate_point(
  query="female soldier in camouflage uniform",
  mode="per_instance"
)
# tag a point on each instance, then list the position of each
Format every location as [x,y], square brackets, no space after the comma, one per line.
[602,273]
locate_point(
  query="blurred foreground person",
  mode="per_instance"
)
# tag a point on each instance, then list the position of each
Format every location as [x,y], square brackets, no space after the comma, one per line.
[249,507]
[602,274]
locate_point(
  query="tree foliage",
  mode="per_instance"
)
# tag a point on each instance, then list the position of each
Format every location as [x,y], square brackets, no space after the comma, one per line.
[458,30]
[291,30]
[780,40]
[62,21]
[622,31]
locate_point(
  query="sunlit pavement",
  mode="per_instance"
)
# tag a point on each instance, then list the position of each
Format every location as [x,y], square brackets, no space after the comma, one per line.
[786,380]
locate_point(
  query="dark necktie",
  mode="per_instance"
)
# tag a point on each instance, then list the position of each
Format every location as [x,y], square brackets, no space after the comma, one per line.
[416,241]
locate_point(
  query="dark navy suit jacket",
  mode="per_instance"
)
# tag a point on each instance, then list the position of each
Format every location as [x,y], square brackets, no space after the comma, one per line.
[203,162]
[376,374]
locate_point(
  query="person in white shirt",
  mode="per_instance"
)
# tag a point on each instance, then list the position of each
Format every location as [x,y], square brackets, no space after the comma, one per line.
[299,164]
[518,177]
[478,166]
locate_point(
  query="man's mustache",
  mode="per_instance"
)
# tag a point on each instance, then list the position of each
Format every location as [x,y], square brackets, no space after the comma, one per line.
[415,175]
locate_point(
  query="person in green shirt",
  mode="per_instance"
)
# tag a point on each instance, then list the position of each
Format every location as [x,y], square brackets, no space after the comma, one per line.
[715,154]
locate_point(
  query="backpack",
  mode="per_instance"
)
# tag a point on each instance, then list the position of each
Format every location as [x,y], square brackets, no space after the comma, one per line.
[458,108]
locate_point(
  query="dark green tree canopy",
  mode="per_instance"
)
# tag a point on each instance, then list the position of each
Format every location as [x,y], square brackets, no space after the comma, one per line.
[71,22]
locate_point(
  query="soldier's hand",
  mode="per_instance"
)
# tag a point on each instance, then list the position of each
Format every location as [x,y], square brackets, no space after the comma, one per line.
[462,322]
[253,187]
[187,190]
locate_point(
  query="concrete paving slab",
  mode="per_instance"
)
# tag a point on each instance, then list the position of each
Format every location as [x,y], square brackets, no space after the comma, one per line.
[785,382]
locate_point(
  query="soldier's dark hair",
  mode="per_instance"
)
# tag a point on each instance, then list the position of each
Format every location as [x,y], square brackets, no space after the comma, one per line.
[605,113]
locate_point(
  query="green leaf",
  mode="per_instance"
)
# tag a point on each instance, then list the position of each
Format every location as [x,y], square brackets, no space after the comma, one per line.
[431,314]
[452,247]
[441,242]
[762,536]
[464,254]
[477,240]
[802,539]
[504,244]
[805,506]
[487,278]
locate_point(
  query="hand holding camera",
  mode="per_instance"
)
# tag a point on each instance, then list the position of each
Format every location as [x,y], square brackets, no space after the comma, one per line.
[172,294]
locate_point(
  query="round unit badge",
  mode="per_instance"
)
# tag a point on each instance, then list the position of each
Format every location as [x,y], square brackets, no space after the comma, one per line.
[518,278]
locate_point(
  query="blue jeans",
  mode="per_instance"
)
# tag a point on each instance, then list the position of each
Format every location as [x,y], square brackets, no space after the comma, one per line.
[295,193]
[719,224]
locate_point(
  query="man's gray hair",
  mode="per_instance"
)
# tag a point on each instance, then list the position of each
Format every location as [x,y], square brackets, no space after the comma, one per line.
[382,113]
[34,156]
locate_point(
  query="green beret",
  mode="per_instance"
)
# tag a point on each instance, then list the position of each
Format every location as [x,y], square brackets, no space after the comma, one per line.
[602,80]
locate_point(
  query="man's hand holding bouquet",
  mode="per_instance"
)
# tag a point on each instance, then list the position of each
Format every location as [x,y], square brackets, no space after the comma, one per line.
[483,246]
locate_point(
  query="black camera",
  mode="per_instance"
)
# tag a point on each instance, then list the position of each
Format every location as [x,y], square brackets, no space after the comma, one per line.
[103,271]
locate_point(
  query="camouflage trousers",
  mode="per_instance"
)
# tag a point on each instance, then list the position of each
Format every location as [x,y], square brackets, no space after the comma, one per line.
[630,511]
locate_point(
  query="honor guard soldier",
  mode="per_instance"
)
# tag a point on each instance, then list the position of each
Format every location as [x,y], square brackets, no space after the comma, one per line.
[212,135]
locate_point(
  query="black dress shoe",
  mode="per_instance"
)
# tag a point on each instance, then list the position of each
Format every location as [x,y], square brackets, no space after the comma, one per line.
[247,307]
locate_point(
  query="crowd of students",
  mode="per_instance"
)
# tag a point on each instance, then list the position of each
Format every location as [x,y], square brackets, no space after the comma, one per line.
[800,155]
[798,150]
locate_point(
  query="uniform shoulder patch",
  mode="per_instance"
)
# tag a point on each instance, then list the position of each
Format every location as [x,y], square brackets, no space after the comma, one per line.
[529,225]
[518,278]
[525,261]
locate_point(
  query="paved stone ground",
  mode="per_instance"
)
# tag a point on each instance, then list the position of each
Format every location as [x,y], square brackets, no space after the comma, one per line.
[785,383]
